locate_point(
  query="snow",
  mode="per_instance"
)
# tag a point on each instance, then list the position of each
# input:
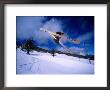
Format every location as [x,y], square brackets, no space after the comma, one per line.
[45,63]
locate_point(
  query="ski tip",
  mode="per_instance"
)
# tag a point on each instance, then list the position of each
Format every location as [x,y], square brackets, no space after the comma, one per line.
[76,41]
[42,29]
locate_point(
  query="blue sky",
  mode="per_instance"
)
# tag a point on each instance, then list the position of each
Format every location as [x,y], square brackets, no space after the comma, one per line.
[75,27]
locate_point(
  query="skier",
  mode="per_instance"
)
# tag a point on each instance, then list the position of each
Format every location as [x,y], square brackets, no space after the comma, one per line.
[58,35]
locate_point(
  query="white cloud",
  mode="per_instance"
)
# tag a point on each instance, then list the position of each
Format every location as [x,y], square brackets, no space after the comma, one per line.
[86,36]
[29,27]
[52,25]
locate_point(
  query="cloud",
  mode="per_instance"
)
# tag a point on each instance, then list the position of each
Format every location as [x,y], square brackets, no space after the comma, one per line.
[78,50]
[29,27]
[86,36]
[53,25]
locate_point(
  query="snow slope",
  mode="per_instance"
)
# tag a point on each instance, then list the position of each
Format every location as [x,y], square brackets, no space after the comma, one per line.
[45,63]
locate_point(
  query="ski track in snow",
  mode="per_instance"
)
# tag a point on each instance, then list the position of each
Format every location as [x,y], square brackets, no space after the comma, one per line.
[45,63]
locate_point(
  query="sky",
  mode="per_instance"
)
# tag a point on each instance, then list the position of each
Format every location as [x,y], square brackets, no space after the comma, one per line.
[74,27]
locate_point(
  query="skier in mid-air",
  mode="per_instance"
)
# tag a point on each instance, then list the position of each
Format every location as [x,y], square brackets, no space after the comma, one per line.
[58,35]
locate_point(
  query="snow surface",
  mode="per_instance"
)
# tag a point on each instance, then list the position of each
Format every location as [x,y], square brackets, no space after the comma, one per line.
[45,63]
